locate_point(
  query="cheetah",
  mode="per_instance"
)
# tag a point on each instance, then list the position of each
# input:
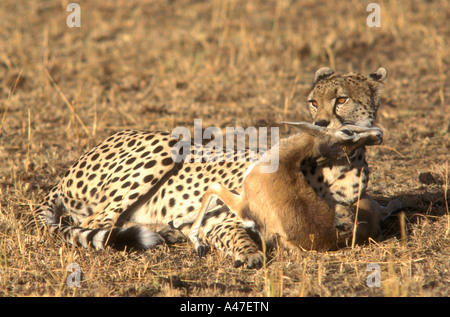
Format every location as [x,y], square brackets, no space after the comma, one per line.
[336,100]
[129,192]
[295,217]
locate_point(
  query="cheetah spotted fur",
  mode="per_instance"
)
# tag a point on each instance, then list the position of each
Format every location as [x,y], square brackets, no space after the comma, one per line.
[128,192]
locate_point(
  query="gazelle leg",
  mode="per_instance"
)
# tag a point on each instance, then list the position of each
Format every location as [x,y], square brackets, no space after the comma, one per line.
[234,202]
[195,229]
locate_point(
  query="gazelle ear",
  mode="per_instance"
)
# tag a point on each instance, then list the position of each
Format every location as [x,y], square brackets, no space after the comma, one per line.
[379,75]
[306,127]
[322,73]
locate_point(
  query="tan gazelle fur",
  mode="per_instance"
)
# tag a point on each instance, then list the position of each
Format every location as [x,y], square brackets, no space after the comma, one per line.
[282,204]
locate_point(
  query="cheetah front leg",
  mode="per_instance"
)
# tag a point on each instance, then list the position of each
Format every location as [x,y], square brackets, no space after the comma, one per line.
[234,202]
[220,228]
[230,235]
[227,234]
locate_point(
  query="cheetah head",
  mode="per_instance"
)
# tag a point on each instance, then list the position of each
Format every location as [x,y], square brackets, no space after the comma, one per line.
[338,99]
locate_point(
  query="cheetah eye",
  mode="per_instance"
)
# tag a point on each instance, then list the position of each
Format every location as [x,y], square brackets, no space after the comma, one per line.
[313,103]
[341,100]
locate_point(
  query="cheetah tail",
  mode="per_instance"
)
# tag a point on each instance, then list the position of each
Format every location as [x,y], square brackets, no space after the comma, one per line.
[136,237]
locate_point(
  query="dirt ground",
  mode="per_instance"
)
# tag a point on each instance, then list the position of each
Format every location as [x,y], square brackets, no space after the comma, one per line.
[160,64]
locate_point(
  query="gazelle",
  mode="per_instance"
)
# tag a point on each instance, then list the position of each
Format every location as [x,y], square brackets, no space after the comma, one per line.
[283,206]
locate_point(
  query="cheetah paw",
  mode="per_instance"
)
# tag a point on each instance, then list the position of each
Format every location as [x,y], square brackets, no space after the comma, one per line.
[253,260]
[200,244]
[202,249]
[171,235]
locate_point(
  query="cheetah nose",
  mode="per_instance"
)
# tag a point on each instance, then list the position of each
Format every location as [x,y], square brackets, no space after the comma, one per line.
[322,123]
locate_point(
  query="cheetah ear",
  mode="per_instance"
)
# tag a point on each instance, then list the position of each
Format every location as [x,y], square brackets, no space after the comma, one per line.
[376,85]
[379,75]
[322,73]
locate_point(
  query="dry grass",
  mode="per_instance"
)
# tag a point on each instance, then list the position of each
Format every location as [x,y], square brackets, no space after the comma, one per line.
[160,64]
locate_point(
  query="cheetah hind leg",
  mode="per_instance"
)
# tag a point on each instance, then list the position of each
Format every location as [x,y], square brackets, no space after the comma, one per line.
[168,233]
